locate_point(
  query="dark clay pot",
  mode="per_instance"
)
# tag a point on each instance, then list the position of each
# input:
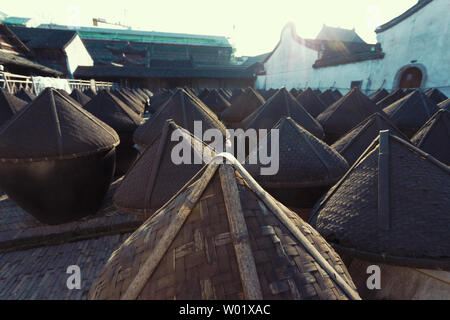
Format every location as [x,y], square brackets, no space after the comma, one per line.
[59,191]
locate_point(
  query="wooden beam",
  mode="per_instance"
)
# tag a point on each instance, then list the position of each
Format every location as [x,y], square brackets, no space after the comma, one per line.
[239,235]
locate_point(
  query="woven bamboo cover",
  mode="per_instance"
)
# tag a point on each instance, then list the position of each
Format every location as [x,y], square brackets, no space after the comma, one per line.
[216,102]
[391,206]
[434,136]
[243,105]
[391,98]
[154,178]
[158,99]
[311,102]
[40,273]
[304,160]
[352,145]
[436,95]
[216,253]
[90,93]
[184,109]
[445,104]
[52,126]
[136,106]
[327,97]
[80,97]
[9,105]
[282,104]
[379,95]
[113,112]
[25,95]
[344,114]
[411,112]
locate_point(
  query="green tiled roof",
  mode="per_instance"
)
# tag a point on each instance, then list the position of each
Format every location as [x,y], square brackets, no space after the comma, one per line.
[16,20]
[93,33]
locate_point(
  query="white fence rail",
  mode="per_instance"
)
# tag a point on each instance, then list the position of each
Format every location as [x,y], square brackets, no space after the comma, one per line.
[15,82]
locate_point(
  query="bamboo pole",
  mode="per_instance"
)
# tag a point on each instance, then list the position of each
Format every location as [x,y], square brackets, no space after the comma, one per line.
[239,235]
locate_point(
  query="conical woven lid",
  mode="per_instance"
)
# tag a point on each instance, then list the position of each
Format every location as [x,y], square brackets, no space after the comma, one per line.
[25,95]
[236,93]
[379,95]
[436,95]
[216,102]
[80,97]
[391,98]
[134,105]
[68,97]
[9,105]
[155,177]
[184,109]
[90,93]
[244,105]
[391,207]
[346,113]
[309,100]
[53,127]
[113,112]
[411,112]
[337,94]
[282,104]
[304,160]
[203,94]
[434,136]
[327,97]
[159,99]
[352,145]
[223,237]
[445,105]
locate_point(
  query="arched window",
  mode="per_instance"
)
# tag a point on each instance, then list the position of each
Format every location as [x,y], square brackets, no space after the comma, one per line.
[411,78]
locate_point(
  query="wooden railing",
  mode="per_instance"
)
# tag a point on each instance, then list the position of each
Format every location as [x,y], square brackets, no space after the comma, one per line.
[14,82]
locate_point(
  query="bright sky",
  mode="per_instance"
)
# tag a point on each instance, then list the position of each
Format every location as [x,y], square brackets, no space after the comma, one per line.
[253,26]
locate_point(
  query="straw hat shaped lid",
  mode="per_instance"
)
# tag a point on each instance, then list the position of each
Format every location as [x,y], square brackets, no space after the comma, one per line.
[282,104]
[445,104]
[90,93]
[390,207]
[311,102]
[155,177]
[436,95]
[203,94]
[347,112]
[352,145]
[52,127]
[391,98]
[304,160]
[25,95]
[134,105]
[242,106]
[327,97]
[223,237]
[216,102]
[235,93]
[411,112]
[184,109]
[379,95]
[9,105]
[114,112]
[337,94]
[434,136]
[80,97]
[160,98]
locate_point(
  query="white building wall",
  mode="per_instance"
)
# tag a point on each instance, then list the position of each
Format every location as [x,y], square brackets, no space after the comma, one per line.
[422,37]
[77,55]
